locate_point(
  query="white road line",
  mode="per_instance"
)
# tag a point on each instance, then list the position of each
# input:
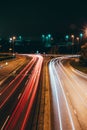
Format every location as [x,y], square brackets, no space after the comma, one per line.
[75,112]
[73,79]
[74,89]
[73,127]
[5,122]
[26,82]
[19,95]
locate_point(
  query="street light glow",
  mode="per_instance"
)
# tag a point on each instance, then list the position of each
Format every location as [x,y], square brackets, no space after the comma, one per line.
[10,39]
[67,36]
[72,36]
[81,35]
[77,38]
[14,37]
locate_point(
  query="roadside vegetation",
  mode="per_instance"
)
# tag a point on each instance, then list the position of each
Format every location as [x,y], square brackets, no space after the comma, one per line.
[81,63]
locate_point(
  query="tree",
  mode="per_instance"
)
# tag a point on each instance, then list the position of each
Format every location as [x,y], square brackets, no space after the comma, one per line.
[83,57]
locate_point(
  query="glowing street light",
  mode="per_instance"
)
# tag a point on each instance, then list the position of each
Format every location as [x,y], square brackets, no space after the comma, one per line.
[12,39]
[72,37]
[67,37]
[77,38]
[81,35]
[43,38]
[13,43]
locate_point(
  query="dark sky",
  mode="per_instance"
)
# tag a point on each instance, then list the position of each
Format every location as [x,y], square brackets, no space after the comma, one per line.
[34,17]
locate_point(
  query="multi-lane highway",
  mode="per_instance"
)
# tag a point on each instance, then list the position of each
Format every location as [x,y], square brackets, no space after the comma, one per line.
[9,67]
[17,96]
[63,93]
[69,96]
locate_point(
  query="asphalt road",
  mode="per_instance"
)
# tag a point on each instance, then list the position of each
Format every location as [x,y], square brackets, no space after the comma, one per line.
[20,95]
[69,96]
[62,101]
[9,67]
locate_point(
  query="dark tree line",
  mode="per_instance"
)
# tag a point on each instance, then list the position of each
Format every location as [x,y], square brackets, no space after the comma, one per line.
[83,57]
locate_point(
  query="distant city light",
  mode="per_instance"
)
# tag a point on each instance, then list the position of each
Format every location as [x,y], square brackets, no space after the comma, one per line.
[6,63]
[49,35]
[43,35]
[81,35]
[10,39]
[77,38]
[72,36]
[14,37]
[67,37]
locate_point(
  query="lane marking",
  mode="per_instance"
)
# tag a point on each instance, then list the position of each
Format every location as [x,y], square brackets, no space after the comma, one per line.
[5,122]
[75,112]
[72,124]
[19,95]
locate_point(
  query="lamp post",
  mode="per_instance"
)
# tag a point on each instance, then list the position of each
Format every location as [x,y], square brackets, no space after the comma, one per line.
[81,35]
[10,49]
[72,37]
[13,39]
[66,37]
[77,38]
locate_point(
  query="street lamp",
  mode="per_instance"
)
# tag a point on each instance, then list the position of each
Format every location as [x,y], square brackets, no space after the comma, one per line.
[72,37]
[10,40]
[77,38]
[66,37]
[43,38]
[81,35]
[13,39]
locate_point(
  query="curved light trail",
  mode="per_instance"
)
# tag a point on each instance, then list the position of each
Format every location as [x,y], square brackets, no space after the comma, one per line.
[23,109]
[56,84]
[11,88]
[71,84]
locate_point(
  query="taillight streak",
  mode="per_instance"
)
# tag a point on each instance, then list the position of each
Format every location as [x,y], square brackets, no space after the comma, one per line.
[28,96]
[18,83]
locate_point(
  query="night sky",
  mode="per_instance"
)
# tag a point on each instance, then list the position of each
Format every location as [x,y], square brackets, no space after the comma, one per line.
[36,17]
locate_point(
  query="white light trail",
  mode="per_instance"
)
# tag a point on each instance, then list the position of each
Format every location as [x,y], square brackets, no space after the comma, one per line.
[53,84]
